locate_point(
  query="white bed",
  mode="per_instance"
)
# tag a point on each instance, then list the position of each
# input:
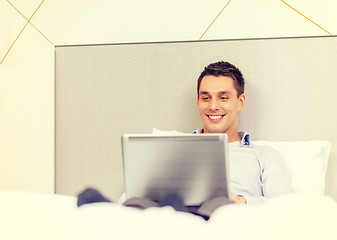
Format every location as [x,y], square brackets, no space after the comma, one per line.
[26,215]
[308,214]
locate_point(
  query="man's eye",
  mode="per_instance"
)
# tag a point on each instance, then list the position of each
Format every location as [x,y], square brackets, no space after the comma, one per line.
[223,98]
[205,98]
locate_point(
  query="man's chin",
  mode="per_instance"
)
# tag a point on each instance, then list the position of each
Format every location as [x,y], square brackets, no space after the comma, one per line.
[214,130]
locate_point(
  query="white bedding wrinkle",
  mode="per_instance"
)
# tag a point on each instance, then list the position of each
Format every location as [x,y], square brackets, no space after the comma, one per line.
[26,215]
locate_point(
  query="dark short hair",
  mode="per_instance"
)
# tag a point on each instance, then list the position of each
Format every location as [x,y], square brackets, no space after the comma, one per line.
[225,69]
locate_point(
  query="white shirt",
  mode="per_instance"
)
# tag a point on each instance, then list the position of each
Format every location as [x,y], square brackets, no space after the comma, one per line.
[256,172]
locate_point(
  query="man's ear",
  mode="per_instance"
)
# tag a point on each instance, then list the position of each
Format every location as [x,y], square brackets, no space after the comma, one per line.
[242,101]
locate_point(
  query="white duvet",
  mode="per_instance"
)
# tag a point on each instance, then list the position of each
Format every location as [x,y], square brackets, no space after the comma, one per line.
[26,215]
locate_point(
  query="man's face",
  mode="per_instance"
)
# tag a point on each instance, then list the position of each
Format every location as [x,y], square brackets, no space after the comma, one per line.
[219,105]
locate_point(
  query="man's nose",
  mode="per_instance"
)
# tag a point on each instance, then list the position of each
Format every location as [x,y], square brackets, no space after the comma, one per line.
[214,104]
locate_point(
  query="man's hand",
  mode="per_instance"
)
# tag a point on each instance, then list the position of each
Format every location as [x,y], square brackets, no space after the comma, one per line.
[238,199]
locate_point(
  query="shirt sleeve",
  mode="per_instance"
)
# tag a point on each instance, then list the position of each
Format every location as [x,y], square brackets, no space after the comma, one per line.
[275,179]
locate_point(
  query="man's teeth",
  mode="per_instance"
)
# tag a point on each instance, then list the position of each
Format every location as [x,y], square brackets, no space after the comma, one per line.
[215,117]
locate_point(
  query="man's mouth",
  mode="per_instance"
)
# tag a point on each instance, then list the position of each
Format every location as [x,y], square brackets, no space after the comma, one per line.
[215,117]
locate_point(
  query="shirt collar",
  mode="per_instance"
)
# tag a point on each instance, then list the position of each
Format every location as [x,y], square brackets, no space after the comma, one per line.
[245,139]
[244,136]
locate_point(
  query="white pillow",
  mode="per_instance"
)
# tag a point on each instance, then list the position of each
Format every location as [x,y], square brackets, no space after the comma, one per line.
[306,162]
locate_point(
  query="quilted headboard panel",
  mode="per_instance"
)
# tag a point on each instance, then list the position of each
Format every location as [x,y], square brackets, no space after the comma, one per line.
[103,91]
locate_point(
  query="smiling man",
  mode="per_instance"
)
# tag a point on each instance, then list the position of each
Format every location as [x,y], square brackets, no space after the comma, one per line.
[256,172]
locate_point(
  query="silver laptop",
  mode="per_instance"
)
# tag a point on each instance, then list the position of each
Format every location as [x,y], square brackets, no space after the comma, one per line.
[194,166]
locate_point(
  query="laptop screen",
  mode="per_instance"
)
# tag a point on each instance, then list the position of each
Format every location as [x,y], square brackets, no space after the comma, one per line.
[195,166]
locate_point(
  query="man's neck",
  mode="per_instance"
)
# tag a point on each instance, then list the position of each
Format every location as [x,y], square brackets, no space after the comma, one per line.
[232,137]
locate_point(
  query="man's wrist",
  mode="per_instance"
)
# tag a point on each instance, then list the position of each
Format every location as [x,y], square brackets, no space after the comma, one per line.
[242,199]
[238,199]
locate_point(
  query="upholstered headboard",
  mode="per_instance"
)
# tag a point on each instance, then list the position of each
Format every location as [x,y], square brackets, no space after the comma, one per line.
[103,91]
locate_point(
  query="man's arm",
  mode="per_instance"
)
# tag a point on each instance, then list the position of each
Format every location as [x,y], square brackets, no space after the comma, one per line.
[272,178]
[275,178]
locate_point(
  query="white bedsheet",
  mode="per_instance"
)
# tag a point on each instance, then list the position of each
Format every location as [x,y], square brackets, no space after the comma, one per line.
[26,215]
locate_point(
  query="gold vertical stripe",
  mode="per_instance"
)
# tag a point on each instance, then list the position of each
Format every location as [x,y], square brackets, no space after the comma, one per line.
[13,43]
[36,11]
[305,17]
[17,10]
[42,34]
[214,20]
[28,21]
